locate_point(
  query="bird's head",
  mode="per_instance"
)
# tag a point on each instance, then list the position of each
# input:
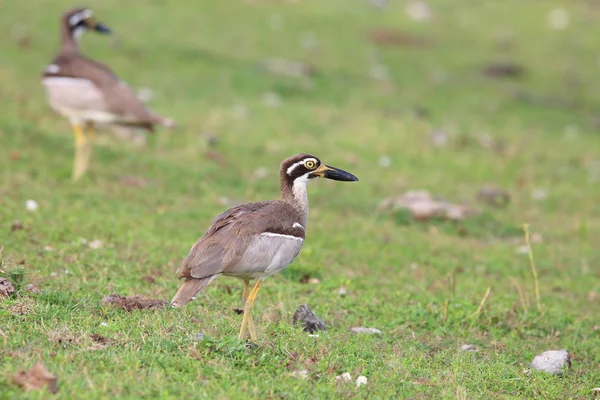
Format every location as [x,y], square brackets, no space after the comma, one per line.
[79,20]
[305,167]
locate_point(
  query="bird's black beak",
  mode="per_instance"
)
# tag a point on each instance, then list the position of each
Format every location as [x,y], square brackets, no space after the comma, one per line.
[101,28]
[334,173]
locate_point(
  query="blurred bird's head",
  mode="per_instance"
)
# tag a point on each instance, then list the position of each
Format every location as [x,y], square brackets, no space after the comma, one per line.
[79,20]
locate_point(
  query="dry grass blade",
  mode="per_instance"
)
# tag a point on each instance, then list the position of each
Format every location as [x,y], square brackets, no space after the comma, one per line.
[533,268]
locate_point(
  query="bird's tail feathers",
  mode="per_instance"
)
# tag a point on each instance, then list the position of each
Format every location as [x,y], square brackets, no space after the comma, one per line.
[189,289]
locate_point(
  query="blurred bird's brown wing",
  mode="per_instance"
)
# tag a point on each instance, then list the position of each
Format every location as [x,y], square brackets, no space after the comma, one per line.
[92,87]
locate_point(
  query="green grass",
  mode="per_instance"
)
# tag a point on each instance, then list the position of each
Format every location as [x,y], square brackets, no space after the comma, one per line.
[419,282]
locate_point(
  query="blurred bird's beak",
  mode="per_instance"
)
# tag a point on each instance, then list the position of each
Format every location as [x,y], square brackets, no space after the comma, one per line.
[336,174]
[97,26]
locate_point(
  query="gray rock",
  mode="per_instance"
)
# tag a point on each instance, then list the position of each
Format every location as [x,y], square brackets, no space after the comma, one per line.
[363,330]
[468,347]
[309,321]
[555,362]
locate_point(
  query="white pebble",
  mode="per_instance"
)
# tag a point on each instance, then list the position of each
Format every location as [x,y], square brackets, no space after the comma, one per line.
[345,377]
[342,292]
[96,244]
[558,19]
[363,330]
[103,324]
[552,361]
[385,161]
[468,347]
[361,380]
[418,11]
[302,374]
[31,205]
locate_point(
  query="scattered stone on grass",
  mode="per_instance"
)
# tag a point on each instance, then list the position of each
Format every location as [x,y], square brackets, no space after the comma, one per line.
[469,347]
[422,206]
[99,339]
[344,378]
[290,68]
[134,181]
[493,196]
[342,292]
[131,303]
[198,337]
[309,321]
[361,380]
[16,226]
[96,244]
[38,377]
[363,330]
[302,374]
[6,288]
[503,70]
[32,288]
[31,205]
[390,37]
[555,362]
[418,11]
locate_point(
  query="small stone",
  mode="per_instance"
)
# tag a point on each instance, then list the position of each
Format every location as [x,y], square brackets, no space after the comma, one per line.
[96,244]
[313,281]
[6,288]
[31,288]
[361,380]
[342,292]
[468,347]
[439,138]
[385,161]
[302,374]
[558,19]
[309,321]
[539,194]
[103,324]
[53,274]
[198,337]
[31,205]
[418,11]
[554,362]
[363,330]
[344,378]
[271,99]
[523,249]
[493,196]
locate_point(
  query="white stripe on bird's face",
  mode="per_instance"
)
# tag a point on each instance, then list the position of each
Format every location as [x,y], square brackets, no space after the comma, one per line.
[80,16]
[293,166]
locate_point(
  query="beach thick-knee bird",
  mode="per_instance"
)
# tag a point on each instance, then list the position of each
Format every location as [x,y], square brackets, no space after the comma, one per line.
[88,92]
[255,240]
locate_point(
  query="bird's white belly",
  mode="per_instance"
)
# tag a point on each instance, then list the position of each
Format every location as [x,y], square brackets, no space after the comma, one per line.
[77,99]
[267,255]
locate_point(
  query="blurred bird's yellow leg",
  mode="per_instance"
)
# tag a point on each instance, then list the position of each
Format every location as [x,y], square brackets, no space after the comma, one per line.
[83,149]
[247,321]
[245,294]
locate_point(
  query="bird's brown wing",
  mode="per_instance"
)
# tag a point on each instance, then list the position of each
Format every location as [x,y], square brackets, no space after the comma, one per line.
[116,97]
[233,245]
[227,239]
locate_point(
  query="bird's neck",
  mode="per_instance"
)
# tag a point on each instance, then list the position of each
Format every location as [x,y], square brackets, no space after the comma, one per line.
[69,39]
[294,193]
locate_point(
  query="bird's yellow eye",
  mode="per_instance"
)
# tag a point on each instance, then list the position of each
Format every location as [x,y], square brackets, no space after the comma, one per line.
[310,164]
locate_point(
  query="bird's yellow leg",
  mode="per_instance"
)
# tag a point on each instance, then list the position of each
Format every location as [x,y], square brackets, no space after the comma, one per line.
[245,294]
[91,132]
[81,160]
[248,304]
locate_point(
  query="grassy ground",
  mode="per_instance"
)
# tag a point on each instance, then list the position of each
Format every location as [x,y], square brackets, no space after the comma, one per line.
[420,283]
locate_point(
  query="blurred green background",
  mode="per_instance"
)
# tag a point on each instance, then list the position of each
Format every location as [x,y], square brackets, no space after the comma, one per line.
[444,96]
